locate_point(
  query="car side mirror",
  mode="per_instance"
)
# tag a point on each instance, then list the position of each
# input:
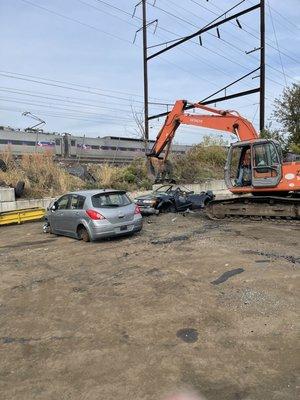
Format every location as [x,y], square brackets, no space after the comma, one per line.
[54,206]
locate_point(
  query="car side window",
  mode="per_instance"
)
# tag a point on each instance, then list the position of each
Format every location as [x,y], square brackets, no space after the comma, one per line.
[77,202]
[62,203]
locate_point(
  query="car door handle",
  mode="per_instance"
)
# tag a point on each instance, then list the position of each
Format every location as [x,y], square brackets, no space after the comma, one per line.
[121,215]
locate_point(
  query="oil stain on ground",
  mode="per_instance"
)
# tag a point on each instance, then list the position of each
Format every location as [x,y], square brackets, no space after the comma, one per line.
[227,275]
[188,335]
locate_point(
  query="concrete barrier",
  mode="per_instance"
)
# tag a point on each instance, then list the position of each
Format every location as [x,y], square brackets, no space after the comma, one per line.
[23,204]
[7,194]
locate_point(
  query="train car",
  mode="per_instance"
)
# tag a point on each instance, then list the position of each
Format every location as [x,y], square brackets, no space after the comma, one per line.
[20,142]
[112,149]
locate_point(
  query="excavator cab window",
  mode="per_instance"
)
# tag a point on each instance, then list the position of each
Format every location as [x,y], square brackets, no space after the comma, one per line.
[240,166]
[266,168]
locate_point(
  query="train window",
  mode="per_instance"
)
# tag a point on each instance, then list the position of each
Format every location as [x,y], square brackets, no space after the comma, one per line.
[57,142]
[108,148]
[73,143]
[95,147]
[2,141]
[27,143]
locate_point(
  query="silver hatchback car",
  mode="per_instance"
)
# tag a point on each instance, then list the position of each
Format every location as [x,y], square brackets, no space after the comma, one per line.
[94,214]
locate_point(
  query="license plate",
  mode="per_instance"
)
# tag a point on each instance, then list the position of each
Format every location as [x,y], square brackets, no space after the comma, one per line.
[123,228]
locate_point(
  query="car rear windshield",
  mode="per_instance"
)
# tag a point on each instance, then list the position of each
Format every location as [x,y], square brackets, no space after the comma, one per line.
[110,200]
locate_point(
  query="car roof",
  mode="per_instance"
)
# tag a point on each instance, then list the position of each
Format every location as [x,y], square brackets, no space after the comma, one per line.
[92,192]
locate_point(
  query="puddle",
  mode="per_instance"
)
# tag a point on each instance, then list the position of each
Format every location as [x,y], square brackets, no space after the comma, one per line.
[227,275]
[290,259]
[155,272]
[188,335]
[170,240]
[27,244]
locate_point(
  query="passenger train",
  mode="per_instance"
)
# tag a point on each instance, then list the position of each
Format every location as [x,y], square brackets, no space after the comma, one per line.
[65,146]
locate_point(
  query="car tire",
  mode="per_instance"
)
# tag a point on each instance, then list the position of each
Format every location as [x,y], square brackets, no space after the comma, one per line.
[19,189]
[3,166]
[83,234]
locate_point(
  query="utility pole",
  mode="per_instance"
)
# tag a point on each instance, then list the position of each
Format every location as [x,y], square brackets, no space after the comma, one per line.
[262,67]
[146,109]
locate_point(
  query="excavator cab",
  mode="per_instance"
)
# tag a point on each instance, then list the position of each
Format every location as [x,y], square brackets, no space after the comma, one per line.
[256,163]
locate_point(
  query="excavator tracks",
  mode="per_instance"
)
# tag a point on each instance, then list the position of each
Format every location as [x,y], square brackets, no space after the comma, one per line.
[256,208]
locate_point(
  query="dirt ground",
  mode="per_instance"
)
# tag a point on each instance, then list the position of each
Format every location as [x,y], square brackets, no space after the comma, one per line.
[137,318]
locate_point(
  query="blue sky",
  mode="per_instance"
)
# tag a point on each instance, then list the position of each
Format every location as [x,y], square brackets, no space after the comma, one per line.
[73,62]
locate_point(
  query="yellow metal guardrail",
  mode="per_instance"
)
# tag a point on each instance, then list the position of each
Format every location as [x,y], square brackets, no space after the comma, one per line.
[19,216]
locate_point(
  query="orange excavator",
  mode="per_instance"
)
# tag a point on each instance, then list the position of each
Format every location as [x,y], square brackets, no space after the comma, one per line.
[254,166]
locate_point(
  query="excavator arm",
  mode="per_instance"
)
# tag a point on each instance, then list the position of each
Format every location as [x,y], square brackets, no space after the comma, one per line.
[227,121]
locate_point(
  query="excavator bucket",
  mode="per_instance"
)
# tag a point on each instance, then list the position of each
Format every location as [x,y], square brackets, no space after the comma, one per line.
[151,170]
[159,170]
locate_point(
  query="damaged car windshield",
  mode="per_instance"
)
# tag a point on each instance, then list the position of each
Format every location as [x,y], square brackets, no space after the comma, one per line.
[108,200]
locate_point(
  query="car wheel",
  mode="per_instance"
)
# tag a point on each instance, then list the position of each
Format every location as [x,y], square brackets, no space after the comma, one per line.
[19,189]
[83,234]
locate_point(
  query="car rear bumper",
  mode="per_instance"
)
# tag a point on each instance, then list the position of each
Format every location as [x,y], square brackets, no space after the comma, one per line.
[106,231]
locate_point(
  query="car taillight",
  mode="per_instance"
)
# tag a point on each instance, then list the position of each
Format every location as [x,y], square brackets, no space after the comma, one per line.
[94,214]
[137,210]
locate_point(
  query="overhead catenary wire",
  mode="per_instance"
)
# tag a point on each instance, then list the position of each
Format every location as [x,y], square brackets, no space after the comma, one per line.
[267,44]
[75,20]
[232,23]
[184,51]
[130,43]
[166,30]
[275,35]
[233,46]
[67,100]
[53,106]
[63,116]
[188,52]
[92,27]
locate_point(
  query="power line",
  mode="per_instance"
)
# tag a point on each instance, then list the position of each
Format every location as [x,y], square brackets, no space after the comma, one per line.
[196,26]
[76,21]
[81,86]
[52,106]
[284,18]
[277,43]
[69,101]
[69,88]
[90,26]
[186,52]
[232,23]
[61,116]
[235,47]
[256,37]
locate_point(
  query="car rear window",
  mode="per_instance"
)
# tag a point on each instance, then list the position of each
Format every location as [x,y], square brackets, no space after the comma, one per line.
[110,200]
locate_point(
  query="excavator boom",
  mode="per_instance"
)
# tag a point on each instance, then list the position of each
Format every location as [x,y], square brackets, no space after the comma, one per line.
[227,121]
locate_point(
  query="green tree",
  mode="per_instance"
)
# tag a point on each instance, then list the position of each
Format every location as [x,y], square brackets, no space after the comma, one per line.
[287,114]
